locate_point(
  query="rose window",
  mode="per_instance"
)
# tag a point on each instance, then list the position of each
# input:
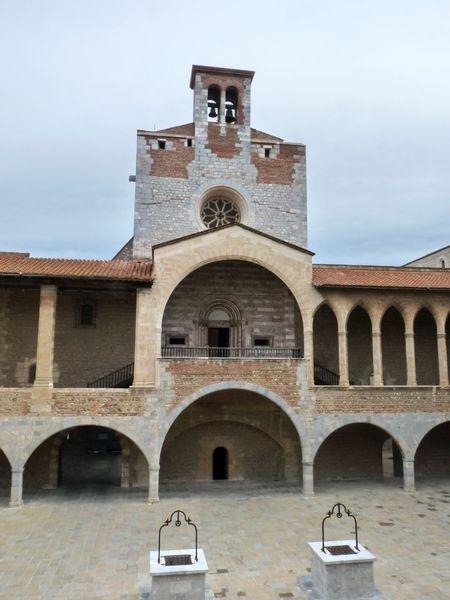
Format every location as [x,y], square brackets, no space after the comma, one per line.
[219,211]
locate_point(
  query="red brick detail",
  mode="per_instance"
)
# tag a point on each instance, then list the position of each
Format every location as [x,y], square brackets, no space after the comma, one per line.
[171,162]
[280,169]
[382,400]
[15,402]
[223,146]
[95,403]
[189,376]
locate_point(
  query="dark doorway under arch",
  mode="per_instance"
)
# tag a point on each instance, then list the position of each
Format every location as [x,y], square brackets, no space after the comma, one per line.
[220,463]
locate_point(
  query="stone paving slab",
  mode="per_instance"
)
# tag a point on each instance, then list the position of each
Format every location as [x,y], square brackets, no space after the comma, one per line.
[92,544]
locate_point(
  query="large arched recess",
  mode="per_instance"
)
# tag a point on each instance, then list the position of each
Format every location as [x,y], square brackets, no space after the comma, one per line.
[432,459]
[86,457]
[261,442]
[356,452]
[174,261]
[5,478]
[246,303]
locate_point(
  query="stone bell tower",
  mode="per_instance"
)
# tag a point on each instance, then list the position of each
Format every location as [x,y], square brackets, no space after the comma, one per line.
[217,170]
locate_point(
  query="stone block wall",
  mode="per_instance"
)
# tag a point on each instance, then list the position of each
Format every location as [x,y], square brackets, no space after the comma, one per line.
[267,307]
[85,353]
[19,311]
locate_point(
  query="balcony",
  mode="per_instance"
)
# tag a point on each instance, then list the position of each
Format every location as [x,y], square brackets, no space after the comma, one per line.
[254,352]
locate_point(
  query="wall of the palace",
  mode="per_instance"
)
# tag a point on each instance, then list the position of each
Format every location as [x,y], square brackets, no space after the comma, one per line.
[266,306]
[434,259]
[83,354]
[19,310]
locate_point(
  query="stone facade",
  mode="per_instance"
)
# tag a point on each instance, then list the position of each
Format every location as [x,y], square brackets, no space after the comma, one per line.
[241,366]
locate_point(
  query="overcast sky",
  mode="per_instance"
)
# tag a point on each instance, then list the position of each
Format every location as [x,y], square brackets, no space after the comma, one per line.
[365,85]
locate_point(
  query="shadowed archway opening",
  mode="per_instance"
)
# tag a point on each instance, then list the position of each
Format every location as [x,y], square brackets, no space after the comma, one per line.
[359,342]
[358,452]
[86,458]
[326,347]
[220,463]
[5,479]
[232,308]
[425,343]
[233,435]
[432,458]
[393,348]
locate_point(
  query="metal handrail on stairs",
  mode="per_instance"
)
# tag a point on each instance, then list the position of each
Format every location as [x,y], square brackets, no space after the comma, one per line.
[323,376]
[120,378]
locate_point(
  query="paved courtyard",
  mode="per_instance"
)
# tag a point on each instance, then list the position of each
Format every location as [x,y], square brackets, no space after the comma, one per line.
[93,543]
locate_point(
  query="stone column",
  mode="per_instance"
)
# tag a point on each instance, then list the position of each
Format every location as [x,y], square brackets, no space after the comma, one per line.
[308,350]
[308,479]
[408,475]
[377,357]
[147,346]
[410,356]
[442,352]
[222,111]
[153,483]
[343,358]
[46,337]
[16,500]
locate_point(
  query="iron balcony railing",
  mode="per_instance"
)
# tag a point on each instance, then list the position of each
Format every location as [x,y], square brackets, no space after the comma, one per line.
[254,352]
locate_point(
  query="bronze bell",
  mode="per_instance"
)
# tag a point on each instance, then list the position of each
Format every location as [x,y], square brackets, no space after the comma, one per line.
[213,112]
[229,116]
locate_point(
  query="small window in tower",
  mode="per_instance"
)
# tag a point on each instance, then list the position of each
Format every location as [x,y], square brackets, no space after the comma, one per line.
[86,314]
[161,144]
[32,373]
[177,340]
[213,104]
[267,152]
[189,142]
[231,98]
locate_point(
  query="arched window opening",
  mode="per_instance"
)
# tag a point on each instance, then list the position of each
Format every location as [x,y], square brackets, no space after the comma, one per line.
[393,348]
[447,340]
[359,341]
[32,373]
[87,314]
[442,263]
[220,463]
[5,478]
[231,100]
[326,347]
[425,342]
[213,104]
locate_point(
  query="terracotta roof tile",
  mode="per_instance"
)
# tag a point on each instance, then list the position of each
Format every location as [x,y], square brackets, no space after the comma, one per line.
[382,277]
[16,264]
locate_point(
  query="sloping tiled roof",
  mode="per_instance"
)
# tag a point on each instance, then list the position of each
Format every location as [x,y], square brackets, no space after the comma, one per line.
[380,277]
[188,130]
[19,264]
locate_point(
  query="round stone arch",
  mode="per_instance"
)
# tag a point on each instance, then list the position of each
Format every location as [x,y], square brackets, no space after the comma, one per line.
[326,432]
[424,430]
[233,385]
[167,287]
[66,424]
